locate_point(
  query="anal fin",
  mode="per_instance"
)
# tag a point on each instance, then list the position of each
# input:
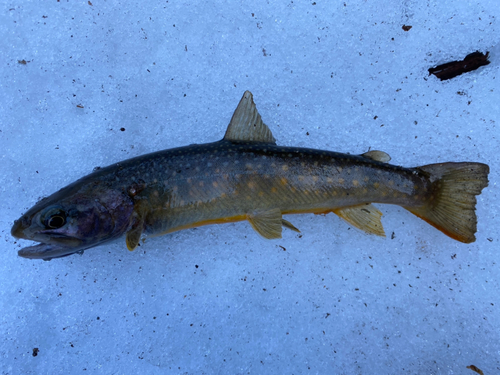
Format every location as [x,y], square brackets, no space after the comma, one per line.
[365,217]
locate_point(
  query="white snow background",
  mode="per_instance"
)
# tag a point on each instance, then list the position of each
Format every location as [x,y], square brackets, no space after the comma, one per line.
[335,75]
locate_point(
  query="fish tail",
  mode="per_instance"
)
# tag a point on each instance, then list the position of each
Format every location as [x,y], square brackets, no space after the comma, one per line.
[451,203]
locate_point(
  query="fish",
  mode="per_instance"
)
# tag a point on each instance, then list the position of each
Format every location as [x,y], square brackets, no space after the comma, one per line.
[245,176]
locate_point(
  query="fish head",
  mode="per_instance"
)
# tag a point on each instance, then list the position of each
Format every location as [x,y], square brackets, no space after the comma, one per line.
[72,220]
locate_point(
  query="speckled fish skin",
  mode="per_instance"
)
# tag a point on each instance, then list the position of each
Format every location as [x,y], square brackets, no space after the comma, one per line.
[245,176]
[226,180]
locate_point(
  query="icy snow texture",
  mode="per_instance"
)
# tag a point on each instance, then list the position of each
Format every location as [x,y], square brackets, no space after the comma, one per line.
[340,76]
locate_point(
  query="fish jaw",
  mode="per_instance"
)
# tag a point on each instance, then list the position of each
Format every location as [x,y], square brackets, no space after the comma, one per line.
[24,229]
[47,251]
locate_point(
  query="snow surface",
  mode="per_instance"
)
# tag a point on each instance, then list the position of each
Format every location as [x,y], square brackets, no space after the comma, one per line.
[341,76]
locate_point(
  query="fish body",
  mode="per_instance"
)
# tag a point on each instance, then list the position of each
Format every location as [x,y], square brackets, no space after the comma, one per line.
[245,176]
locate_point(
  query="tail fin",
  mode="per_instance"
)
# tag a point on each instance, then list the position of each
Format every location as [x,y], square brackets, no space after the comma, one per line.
[452,203]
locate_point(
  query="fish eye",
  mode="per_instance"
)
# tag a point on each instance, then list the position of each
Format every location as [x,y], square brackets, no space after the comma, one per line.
[54,218]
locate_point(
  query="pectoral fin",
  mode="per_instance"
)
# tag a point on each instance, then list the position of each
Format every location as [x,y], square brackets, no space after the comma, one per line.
[365,217]
[134,235]
[267,223]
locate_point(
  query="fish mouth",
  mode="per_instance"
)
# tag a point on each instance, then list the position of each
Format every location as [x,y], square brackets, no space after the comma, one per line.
[53,244]
[47,251]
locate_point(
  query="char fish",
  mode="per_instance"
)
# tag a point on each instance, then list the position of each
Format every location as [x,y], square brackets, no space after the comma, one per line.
[245,176]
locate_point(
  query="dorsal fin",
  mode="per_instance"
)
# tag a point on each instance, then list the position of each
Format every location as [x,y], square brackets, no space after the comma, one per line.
[377,155]
[246,123]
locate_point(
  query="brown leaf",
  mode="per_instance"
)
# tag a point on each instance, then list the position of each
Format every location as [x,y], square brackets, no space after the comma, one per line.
[454,68]
[475,369]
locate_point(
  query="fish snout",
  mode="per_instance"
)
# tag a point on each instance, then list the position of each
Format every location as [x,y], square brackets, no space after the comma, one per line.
[20,226]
